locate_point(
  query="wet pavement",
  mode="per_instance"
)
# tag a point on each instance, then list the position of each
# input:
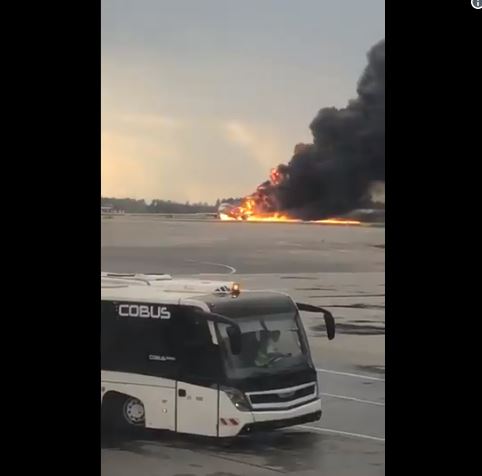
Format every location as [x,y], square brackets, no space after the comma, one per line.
[341,268]
[296,451]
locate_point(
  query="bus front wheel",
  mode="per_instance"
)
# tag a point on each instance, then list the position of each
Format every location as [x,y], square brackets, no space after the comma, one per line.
[122,412]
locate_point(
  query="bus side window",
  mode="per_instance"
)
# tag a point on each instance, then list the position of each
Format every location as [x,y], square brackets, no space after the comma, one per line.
[138,345]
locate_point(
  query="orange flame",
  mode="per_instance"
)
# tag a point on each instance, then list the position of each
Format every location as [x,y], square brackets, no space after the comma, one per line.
[277,218]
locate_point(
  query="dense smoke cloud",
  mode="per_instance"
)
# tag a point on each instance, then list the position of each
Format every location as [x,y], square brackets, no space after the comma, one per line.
[334,175]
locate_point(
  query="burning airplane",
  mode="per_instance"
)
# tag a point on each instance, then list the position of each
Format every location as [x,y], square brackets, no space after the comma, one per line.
[229,212]
[334,175]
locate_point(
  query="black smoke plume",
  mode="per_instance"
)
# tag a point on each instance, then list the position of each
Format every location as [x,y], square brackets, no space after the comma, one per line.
[333,175]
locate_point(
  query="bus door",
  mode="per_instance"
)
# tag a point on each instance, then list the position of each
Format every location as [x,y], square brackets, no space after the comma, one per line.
[197,387]
[202,371]
[197,409]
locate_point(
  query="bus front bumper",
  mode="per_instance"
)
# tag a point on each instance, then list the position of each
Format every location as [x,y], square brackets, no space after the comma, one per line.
[271,420]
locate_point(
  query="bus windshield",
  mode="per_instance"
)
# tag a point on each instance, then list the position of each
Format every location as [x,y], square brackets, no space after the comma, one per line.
[269,343]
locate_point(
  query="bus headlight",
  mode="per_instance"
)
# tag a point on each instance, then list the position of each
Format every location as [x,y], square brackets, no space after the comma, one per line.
[238,398]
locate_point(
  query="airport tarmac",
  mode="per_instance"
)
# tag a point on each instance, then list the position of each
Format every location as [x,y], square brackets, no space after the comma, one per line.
[338,267]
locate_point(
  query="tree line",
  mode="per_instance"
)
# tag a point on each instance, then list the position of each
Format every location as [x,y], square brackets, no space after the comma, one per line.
[131,205]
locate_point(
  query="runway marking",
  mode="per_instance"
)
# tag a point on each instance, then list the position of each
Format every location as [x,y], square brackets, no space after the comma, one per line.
[344,397]
[289,244]
[359,295]
[339,432]
[231,269]
[348,374]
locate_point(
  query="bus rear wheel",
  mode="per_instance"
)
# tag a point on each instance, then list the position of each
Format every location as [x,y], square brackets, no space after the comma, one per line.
[122,412]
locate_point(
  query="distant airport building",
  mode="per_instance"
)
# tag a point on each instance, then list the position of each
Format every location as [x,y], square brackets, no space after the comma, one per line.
[109,210]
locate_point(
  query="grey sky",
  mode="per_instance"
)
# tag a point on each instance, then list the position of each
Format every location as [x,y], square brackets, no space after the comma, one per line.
[201,98]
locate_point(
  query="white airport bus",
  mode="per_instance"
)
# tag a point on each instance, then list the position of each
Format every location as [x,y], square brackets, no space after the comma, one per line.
[204,357]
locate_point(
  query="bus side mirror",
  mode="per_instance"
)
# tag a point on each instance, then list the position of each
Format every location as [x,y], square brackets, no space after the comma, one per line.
[327,315]
[234,335]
